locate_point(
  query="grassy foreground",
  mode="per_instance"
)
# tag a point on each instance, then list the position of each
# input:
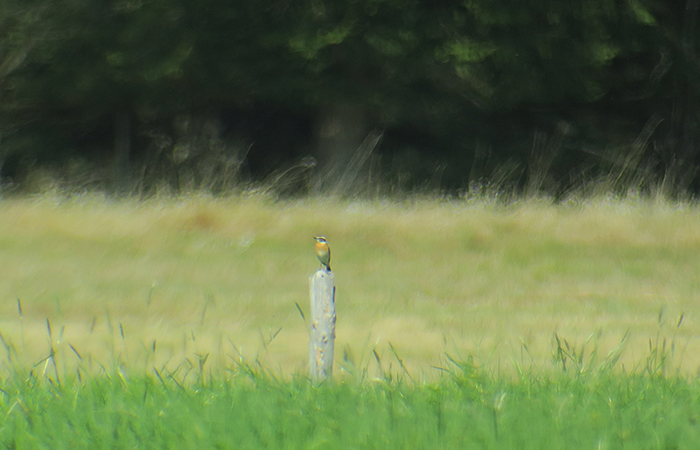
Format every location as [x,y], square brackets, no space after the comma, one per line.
[148,284]
[466,409]
[174,324]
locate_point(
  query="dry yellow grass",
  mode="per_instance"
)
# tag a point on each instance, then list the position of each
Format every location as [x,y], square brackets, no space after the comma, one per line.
[200,275]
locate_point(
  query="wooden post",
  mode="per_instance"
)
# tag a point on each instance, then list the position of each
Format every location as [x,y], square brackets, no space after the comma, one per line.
[322,333]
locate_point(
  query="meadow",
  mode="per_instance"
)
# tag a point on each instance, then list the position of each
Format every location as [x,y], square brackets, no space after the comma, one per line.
[179,322]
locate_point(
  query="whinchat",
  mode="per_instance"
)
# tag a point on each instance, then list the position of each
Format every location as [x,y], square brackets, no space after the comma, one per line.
[323,252]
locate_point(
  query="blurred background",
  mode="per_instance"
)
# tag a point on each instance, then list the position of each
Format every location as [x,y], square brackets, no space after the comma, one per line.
[357,97]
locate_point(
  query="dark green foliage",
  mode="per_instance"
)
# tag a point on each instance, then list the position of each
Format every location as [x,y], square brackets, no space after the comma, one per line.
[529,95]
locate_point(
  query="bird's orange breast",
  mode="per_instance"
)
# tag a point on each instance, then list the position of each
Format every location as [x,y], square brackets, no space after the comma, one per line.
[321,248]
[323,252]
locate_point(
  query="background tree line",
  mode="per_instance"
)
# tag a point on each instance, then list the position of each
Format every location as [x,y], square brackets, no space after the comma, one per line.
[531,96]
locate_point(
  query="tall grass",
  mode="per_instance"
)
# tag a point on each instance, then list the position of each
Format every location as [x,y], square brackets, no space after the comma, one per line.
[247,407]
[474,324]
[119,279]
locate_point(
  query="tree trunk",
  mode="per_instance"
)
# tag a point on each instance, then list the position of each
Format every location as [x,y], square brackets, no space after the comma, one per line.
[684,117]
[122,150]
[340,131]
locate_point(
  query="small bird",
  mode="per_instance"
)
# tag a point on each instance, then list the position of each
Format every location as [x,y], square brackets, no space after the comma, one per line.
[323,252]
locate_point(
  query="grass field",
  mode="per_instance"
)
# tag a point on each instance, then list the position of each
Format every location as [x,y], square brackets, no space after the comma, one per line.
[472,324]
[222,277]
[252,411]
